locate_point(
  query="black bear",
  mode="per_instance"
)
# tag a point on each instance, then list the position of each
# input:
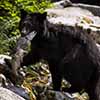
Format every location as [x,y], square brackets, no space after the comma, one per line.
[74,57]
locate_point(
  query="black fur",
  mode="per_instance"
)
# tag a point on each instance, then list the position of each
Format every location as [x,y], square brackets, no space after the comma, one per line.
[74,57]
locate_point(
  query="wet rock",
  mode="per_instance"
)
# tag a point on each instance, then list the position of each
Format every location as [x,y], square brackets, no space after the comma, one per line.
[6,94]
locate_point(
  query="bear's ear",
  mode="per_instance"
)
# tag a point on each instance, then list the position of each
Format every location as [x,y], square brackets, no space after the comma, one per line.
[40,17]
[23,13]
[44,15]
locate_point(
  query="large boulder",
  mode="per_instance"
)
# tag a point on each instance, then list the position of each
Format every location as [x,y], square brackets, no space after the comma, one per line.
[6,94]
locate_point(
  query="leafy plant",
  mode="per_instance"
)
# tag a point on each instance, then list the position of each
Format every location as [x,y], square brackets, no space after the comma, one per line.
[10,17]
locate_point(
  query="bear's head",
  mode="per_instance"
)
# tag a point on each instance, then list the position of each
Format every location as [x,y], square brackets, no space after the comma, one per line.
[32,22]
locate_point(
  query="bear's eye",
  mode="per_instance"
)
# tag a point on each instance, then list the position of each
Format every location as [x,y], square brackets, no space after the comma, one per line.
[26,27]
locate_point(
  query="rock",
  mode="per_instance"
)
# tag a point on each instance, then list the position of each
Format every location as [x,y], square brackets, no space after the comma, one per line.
[55,95]
[62,4]
[19,90]
[6,94]
[85,16]
[2,57]
[9,71]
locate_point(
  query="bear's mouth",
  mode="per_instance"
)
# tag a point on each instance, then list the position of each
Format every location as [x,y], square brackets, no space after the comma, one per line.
[31,35]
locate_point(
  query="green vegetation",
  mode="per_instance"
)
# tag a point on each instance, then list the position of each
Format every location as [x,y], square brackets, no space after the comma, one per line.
[10,17]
